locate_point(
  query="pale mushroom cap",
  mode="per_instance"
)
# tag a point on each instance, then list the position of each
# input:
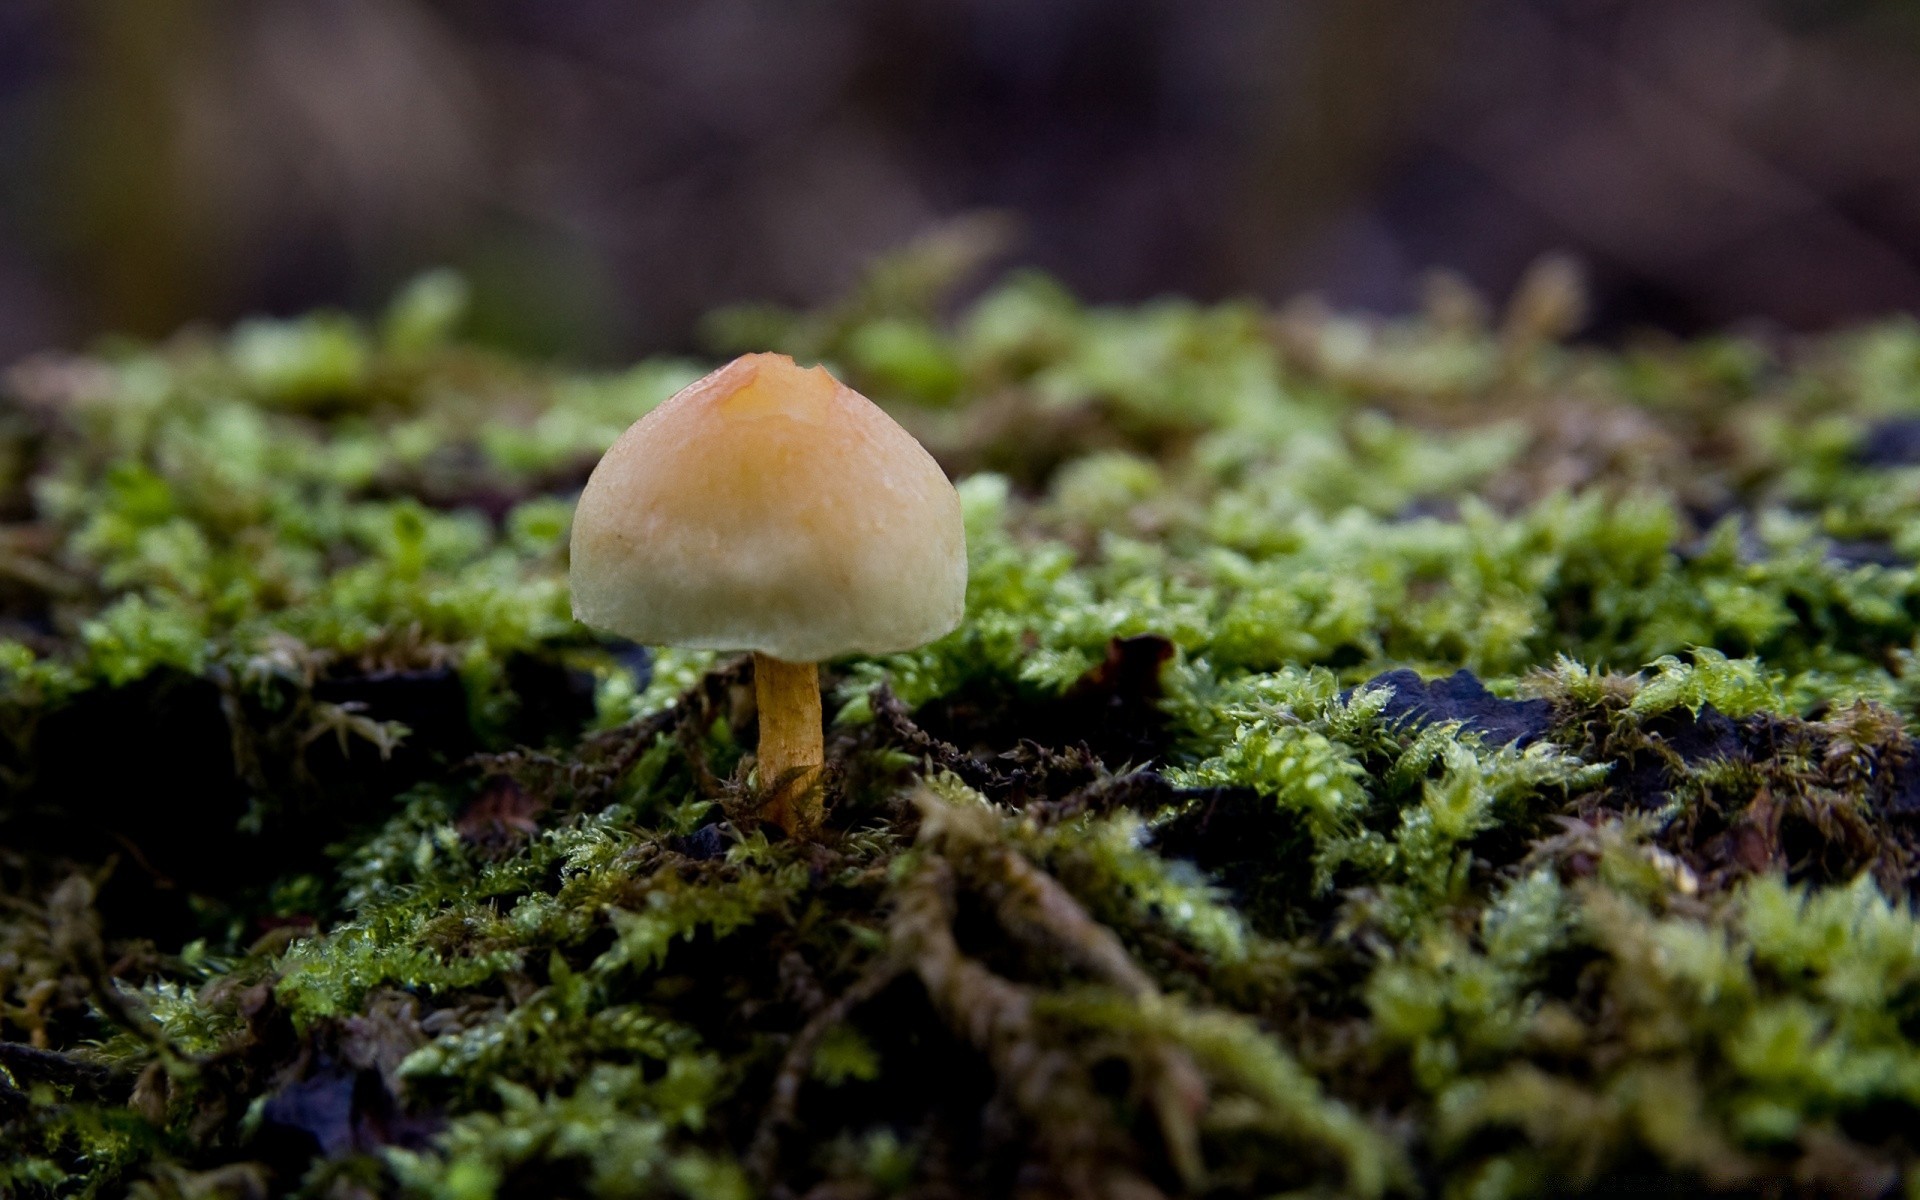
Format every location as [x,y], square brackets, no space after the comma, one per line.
[770,508]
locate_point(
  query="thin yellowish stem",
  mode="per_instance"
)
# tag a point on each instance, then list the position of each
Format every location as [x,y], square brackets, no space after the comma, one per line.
[791,753]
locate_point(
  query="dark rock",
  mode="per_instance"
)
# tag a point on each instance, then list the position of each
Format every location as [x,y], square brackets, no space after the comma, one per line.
[1643,776]
[1462,697]
[1902,790]
[1430,508]
[1894,442]
[1698,737]
[634,657]
[1865,554]
[313,1116]
[341,1093]
[334,1111]
[703,844]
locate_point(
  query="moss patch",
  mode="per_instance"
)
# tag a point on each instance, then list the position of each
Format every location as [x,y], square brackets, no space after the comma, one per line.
[1380,757]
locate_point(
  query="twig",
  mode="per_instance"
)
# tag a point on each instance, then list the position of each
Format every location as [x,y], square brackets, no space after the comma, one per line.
[1042,1079]
[891,715]
[73,932]
[763,1155]
[28,1062]
[1034,908]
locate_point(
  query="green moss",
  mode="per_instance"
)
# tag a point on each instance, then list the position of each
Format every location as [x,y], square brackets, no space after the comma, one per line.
[462,900]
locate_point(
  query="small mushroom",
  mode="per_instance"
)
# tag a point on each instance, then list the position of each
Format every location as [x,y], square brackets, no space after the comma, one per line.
[772,508]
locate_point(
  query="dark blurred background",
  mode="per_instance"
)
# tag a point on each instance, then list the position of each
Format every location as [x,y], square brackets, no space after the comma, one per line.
[604,171]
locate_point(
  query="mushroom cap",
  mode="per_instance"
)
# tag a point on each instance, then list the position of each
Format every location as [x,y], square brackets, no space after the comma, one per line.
[768,507]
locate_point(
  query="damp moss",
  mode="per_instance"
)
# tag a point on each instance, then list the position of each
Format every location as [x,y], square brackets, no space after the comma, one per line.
[339,861]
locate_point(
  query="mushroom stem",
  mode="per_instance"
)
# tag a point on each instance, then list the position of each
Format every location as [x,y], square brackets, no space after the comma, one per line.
[788,695]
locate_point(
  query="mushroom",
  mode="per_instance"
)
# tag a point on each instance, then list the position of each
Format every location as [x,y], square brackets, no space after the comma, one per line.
[771,508]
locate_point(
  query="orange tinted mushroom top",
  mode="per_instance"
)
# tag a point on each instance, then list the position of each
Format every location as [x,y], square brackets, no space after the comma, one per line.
[772,508]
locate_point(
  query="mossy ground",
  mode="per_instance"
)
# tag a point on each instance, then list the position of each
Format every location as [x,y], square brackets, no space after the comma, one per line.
[336,860]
